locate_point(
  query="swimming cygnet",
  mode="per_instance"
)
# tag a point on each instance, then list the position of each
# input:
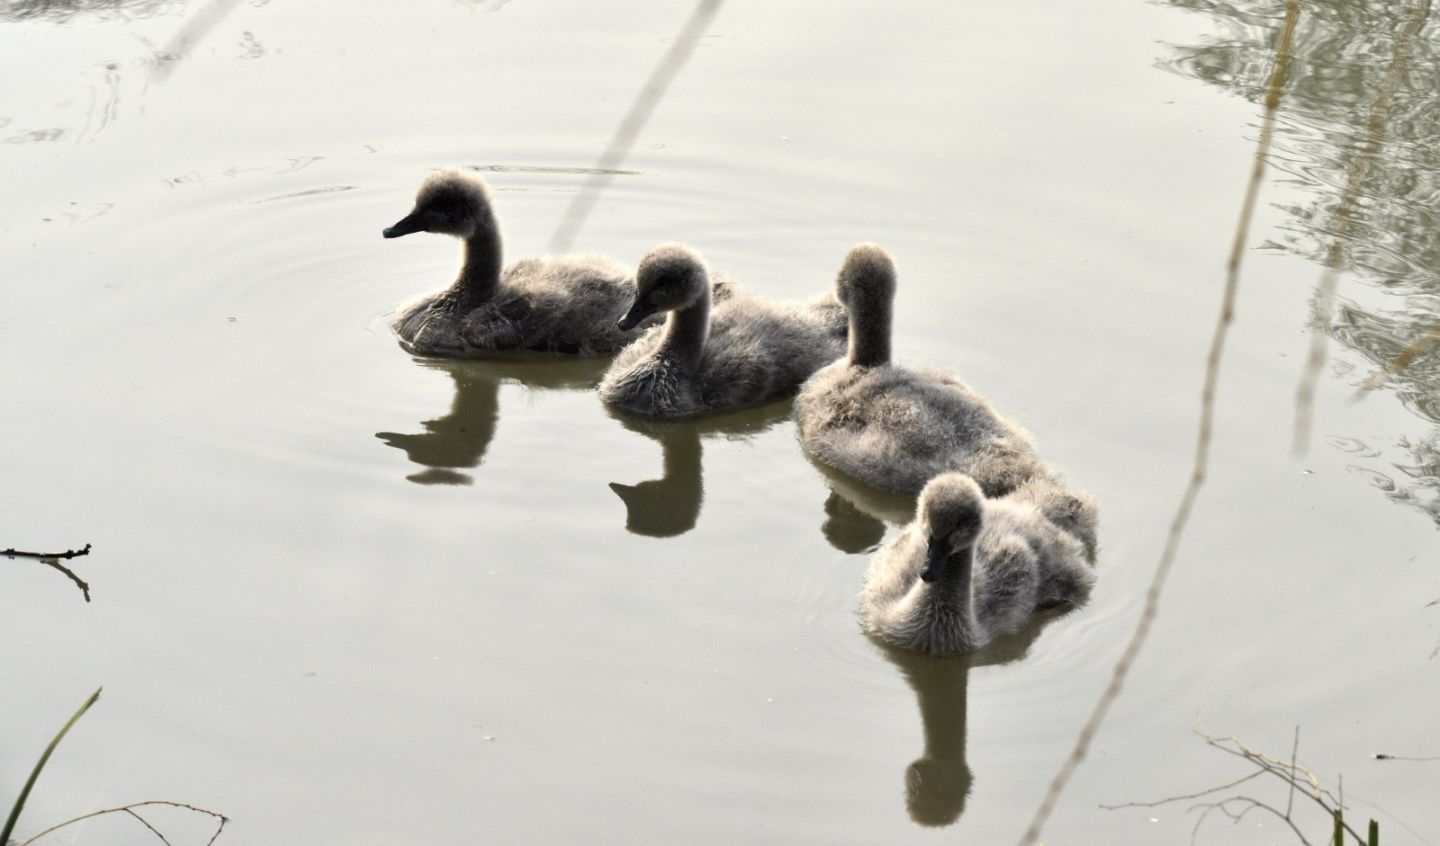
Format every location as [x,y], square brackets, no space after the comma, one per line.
[968,569]
[746,352]
[896,428]
[565,304]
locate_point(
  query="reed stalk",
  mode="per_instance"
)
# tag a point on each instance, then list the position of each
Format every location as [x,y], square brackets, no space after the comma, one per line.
[40,765]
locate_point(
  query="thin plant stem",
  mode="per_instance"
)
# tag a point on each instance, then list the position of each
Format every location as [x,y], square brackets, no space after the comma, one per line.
[1300,780]
[630,126]
[1294,753]
[194,31]
[40,765]
[1199,795]
[153,830]
[130,810]
[1202,446]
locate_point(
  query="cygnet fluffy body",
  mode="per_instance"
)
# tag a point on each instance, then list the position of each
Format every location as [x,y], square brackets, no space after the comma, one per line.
[897,428]
[565,304]
[745,351]
[968,569]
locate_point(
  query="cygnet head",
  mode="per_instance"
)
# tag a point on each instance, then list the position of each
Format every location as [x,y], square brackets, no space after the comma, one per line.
[670,277]
[936,790]
[950,513]
[451,201]
[867,278]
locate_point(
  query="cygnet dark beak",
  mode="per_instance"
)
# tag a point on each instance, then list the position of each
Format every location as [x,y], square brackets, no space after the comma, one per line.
[405,225]
[638,312]
[936,557]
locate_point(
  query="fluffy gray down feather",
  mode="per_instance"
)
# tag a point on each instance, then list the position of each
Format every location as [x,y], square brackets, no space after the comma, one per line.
[897,429]
[756,351]
[567,304]
[1021,562]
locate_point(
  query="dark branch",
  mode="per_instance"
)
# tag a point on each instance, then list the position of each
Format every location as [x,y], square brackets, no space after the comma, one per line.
[52,559]
[69,553]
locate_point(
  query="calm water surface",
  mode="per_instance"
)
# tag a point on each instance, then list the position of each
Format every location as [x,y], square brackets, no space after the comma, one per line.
[342,595]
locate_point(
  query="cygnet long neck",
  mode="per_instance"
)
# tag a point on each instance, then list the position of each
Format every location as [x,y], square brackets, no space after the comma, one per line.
[680,458]
[870,334]
[480,275]
[941,692]
[687,329]
[950,593]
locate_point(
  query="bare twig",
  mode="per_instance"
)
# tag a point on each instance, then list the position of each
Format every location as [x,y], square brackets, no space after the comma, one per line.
[1236,807]
[153,830]
[1249,804]
[52,559]
[69,553]
[130,810]
[1275,766]
[1168,799]
[1381,756]
[634,121]
[1338,256]
[1202,445]
[1327,801]
[1294,751]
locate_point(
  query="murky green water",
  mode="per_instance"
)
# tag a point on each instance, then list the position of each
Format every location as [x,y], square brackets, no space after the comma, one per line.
[345,596]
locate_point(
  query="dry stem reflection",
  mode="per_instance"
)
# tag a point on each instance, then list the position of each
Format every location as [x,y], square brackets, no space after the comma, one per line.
[1202,446]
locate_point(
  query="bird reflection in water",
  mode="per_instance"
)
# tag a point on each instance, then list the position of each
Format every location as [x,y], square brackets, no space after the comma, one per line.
[458,440]
[856,513]
[938,783]
[670,505]
[848,528]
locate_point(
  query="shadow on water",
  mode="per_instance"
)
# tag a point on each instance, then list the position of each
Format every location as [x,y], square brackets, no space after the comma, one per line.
[458,440]
[670,505]
[1357,138]
[938,783]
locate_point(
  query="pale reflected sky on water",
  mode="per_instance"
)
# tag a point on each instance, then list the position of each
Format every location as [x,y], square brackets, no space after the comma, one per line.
[597,631]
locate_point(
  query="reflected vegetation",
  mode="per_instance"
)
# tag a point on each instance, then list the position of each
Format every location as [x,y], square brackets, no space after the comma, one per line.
[670,505]
[938,783]
[458,440]
[1416,482]
[63,10]
[99,105]
[1357,137]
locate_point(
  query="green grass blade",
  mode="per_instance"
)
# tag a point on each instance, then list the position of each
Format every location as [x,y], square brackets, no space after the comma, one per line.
[40,765]
[1373,839]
